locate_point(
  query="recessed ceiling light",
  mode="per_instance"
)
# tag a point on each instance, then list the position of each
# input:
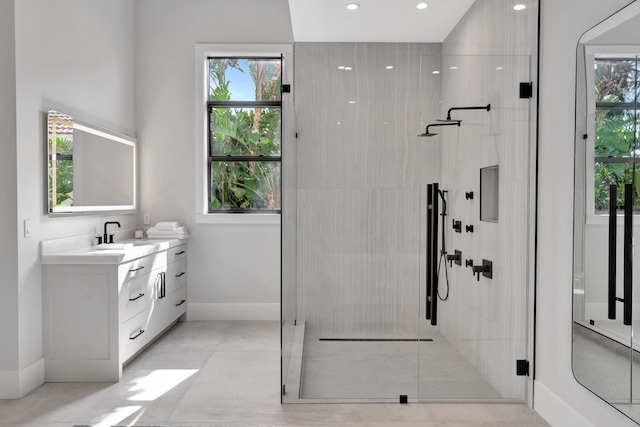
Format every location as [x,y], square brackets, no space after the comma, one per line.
[340,67]
[352,102]
[499,68]
[421,6]
[389,67]
[435,72]
[519,7]
[352,6]
[339,123]
[348,68]
[453,68]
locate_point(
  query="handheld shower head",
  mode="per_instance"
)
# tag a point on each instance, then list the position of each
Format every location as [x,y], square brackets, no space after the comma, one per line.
[447,123]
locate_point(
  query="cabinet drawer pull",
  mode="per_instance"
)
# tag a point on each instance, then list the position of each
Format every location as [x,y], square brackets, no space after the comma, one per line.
[138,297]
[180,253]
[181,302]
[137,334]
[180,274]
[131,270]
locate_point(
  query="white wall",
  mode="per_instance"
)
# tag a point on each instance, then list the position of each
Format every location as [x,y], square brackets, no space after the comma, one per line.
[558,397]
[75,56]
[236,266]
[8,221]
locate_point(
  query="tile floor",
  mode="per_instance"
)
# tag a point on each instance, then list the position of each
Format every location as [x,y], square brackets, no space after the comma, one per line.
[226,374]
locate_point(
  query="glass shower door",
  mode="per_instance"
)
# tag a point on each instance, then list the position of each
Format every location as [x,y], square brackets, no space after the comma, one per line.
[481,327]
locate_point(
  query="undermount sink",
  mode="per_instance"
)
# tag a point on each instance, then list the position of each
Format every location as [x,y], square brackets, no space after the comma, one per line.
[113,246]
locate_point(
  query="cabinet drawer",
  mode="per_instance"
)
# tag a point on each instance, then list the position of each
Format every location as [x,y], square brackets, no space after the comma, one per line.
[142,266]
[177,253]
[177,275]
[179,302]
[135,296]
[134,334]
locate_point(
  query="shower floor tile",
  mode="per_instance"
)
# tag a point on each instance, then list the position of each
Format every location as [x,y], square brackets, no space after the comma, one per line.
[386,369]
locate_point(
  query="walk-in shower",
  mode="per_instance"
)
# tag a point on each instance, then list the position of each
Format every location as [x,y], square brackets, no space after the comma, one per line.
[378,305]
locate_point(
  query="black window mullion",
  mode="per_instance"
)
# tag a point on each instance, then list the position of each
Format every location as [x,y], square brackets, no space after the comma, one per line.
[629,160]
[244,104]
[241,158]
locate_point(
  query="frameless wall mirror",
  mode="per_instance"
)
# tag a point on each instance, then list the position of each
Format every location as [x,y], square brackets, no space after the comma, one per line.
[90,170]
[606,358]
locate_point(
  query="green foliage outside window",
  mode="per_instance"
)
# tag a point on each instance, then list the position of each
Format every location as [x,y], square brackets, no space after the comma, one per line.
[64,174]
[254,132]
[616,128]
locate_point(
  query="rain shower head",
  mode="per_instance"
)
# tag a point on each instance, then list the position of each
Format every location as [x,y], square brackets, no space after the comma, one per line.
[447,123]
[486,107]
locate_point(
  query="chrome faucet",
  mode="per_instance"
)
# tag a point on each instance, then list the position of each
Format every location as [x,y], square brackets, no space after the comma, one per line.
[106,238]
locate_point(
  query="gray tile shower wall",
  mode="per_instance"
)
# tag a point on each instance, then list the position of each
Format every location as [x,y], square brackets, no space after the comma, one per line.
[361,172]
[493,48]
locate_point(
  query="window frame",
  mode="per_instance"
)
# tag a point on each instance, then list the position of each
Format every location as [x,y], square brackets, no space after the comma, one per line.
[204,51]
[241,157]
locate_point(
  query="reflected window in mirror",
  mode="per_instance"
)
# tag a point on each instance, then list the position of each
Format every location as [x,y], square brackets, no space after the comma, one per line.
[615,128]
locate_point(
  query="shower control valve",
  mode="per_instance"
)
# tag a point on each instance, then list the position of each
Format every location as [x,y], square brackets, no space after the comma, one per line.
[468,263]
[486,269]
[468,195]
[457,226]
[469,228]
[456,257]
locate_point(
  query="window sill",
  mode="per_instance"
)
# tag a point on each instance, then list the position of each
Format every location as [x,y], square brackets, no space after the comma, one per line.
[603,219]
[238,219]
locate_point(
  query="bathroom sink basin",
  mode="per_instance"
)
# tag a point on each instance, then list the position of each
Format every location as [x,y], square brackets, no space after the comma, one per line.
[113,246]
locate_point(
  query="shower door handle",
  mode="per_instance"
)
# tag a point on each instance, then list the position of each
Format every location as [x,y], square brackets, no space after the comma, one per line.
[613,223]
[628,253]
[431,300]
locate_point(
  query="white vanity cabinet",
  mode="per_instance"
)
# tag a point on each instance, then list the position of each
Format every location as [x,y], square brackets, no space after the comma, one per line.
[98,315]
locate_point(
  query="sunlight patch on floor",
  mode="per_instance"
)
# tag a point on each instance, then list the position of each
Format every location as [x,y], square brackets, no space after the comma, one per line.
[158,383]
[117,415]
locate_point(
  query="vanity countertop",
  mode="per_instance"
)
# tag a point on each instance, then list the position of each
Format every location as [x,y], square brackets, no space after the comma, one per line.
[114,253]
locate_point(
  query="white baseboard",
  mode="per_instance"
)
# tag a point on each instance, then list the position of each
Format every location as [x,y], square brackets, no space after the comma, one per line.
[554,410]
[242,311]
[17,384]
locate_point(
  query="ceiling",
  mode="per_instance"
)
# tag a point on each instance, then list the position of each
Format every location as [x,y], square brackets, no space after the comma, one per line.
[375,20]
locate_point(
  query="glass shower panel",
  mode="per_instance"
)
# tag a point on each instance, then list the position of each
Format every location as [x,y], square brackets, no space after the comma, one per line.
[481,321]
[359,174]
[291,334]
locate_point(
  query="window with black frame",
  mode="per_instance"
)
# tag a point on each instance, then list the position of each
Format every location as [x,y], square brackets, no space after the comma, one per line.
[245,128]
[616,152]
